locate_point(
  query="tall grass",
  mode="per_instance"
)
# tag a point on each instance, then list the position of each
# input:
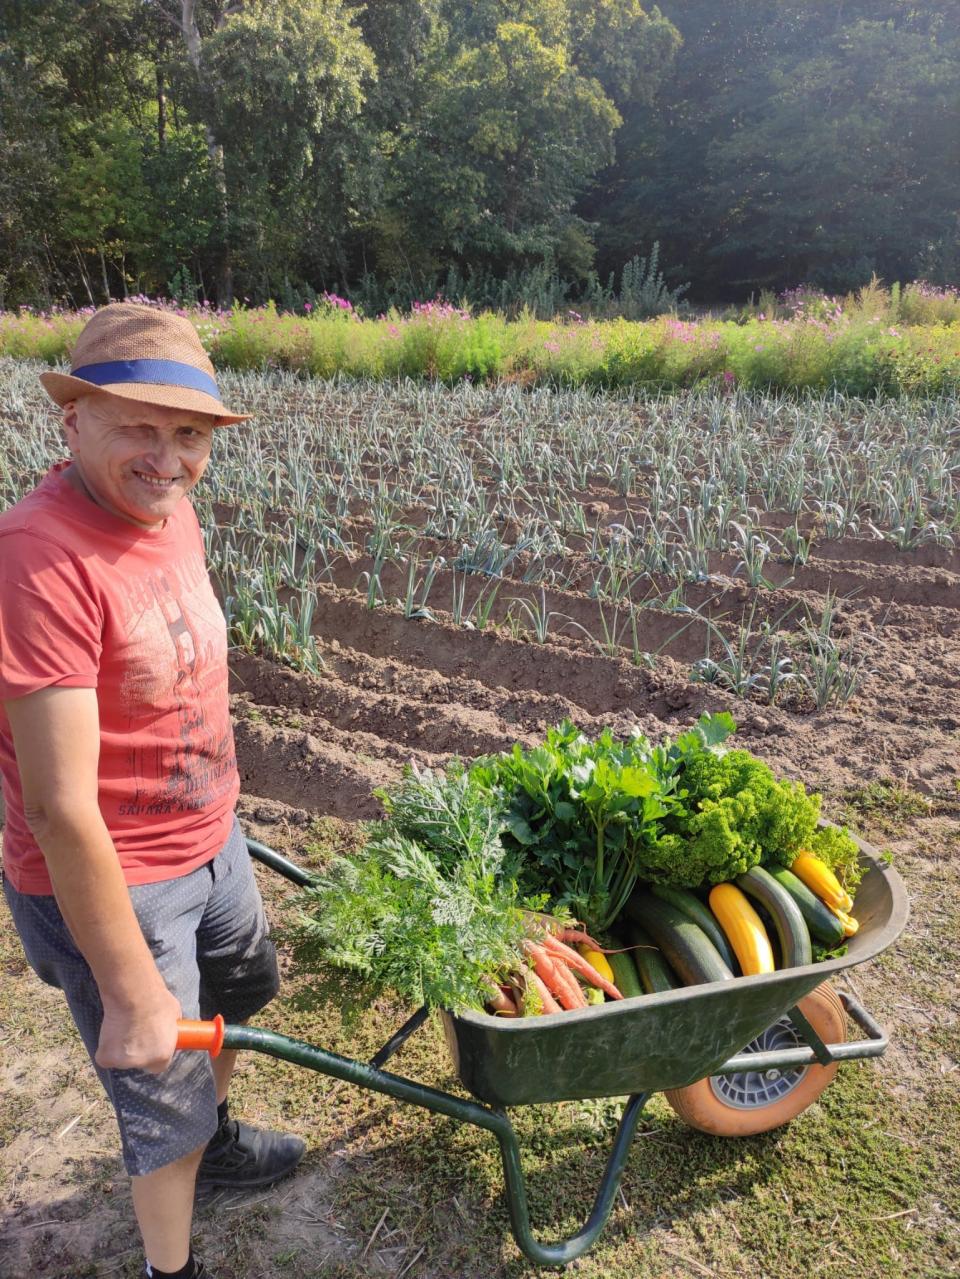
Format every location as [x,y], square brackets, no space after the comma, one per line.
[879,341]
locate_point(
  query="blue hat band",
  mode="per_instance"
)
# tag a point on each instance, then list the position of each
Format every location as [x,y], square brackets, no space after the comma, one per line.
[158,372]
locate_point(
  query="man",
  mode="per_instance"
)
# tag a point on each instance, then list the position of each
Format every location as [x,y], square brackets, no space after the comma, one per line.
[124,867]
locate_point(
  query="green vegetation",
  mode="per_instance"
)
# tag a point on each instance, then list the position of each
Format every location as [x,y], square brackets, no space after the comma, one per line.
[508,154]
[886,805]
[439,904]
[859,349]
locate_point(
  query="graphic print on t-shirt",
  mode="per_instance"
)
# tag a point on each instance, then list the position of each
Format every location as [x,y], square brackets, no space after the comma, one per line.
[174,664]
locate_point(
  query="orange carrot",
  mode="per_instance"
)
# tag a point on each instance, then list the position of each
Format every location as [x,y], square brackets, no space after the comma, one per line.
[573,936]
[555,977]
[570,993]
[547,1001]
[579,965]
[499,1001]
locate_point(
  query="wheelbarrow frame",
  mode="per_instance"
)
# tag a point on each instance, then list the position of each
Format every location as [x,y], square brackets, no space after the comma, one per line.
[493,1056]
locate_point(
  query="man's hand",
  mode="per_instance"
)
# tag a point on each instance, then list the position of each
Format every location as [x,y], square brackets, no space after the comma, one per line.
[142,1038]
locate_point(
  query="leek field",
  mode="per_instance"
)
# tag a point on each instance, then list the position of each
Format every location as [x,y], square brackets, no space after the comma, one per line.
[469,529]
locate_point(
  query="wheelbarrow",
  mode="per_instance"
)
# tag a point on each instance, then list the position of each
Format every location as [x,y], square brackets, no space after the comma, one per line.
[732,1057]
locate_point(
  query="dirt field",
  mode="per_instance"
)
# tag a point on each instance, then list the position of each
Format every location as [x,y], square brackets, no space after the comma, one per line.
[865,1183]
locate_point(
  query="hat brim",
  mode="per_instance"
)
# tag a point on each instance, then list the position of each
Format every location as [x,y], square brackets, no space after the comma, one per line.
[63,387]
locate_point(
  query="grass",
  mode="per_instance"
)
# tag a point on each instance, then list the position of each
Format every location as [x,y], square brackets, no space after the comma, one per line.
[889,806]
[860,345]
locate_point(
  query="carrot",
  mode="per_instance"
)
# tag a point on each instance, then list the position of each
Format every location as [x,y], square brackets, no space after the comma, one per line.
[547,1001]
[554,976]
[499,1000]
[571,995]
[573,936]
[579,965]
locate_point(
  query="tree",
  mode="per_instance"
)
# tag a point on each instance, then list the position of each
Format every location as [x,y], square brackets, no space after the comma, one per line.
[792,141]
[508,133]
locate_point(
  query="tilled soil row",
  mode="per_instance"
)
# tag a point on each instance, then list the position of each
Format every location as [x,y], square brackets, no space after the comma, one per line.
[397,690]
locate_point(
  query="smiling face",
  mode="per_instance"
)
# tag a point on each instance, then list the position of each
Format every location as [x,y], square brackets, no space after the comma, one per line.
[135,460]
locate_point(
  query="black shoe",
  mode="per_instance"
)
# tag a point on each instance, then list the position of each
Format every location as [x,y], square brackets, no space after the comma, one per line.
[199,1272]
[240,1155]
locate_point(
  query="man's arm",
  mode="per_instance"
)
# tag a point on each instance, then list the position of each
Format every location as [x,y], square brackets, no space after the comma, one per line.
[56,735]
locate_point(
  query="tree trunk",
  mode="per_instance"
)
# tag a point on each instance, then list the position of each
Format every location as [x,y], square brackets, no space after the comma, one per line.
[191,36]
[161,110]
[83,276]
[103,275]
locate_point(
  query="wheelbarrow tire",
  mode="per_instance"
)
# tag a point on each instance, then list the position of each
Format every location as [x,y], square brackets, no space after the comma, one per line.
[706,1105]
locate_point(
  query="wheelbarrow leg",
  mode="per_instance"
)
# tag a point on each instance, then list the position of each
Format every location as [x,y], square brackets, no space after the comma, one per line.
[560,1254]
[212,1036]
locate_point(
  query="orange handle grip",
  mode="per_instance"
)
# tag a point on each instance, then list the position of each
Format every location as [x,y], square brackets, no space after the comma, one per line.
[205,1036]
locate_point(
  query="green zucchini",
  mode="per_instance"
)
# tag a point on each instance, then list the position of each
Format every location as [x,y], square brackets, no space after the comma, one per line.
[701,915]
[788,921]
[686,947]
[625,976]
[821,921]
[655,972]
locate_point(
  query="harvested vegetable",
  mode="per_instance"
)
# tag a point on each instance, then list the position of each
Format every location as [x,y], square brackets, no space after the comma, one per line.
[744,929]
[598,960]
[572,959]
[820,879]
[464,894]
[788,921]
[686,947]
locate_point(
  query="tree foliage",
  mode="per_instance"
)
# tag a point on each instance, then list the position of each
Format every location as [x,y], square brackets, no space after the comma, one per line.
[277,148]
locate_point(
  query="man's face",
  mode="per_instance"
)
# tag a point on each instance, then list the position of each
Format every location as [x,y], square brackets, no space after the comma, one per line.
[137,460]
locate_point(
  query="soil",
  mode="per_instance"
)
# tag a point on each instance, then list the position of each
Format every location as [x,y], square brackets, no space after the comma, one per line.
[396,690]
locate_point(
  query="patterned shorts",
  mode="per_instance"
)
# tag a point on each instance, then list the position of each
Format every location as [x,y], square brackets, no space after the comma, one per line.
[210,939]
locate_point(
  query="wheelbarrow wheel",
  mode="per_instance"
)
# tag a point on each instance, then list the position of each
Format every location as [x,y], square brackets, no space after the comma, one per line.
[744,1104]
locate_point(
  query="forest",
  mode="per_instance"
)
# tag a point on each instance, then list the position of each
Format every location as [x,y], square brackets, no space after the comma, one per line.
[502,153]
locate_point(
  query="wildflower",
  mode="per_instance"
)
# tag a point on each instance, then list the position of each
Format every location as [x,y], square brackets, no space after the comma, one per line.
[728,377]
[308,306]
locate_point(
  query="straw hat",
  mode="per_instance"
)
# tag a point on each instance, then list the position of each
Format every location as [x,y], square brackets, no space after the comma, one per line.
[142,353]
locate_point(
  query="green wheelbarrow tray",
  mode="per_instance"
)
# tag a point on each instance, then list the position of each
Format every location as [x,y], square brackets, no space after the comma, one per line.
[668,1040]
[631,1047]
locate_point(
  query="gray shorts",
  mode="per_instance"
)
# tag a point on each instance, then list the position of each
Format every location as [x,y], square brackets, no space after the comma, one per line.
[210,939]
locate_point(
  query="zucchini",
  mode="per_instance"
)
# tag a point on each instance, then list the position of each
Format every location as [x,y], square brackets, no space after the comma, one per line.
[654,971]
[625,976]
[746,930]
[701,915]
[788,920]
[823,924]
[686,947]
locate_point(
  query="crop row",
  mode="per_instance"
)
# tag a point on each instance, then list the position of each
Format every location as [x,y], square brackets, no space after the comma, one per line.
[555,513]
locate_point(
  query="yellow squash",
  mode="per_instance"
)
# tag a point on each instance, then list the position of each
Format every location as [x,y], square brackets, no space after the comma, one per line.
[597,960]
[820,879]
[743,927]
[848,922]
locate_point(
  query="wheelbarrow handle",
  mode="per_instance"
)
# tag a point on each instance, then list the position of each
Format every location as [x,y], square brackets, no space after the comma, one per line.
[203,1036]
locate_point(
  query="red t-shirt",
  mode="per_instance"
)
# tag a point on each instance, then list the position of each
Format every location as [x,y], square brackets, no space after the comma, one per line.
[88,600]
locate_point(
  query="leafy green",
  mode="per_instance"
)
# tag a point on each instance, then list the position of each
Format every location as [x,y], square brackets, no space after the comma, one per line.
[446,812]
[399,919]
[729,814]
[586,814]
[577,815]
